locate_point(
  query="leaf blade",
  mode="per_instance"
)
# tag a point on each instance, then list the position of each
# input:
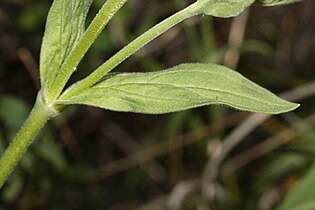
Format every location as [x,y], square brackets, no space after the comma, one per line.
[182,87]
[64,28]
[225,9]
[301,197]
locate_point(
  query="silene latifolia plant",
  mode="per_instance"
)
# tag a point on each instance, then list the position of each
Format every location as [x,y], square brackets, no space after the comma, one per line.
[179,88]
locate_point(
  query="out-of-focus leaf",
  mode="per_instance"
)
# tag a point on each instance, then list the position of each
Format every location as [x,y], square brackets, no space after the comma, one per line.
[1,144]
[277,168]
[31,17]
[303,193]
[305,206]
[64,28]
[52,153]
[13,111]
[13,188]
[226,8]
[179,88]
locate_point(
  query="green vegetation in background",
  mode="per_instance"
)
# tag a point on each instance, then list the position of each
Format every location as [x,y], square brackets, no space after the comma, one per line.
[198,56]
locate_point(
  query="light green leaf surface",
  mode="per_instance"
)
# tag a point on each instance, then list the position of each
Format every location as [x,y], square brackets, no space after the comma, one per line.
[64,28]
[305,206]
[179,88]
[224,8]
[275,2]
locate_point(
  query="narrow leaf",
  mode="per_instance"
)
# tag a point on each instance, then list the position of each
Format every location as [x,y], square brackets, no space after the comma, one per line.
[302,196]
[275,2]
[310,205]
[226,8]
[182,87]
[64,28]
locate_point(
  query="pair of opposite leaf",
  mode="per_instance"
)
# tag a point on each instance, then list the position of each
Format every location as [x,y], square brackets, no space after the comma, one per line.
[181,87]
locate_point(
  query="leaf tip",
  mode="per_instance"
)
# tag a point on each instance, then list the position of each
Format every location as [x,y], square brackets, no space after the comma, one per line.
[294,106]
[289,106]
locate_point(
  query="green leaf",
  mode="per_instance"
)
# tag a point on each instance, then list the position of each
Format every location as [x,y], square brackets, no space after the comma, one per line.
[275,2]
[179,88]
[13,112]
[226,8]
[310,205]
[302,196]
[64,28]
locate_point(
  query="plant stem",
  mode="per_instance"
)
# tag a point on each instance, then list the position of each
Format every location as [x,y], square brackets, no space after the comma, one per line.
[36,120]
[131,48]
[105,14]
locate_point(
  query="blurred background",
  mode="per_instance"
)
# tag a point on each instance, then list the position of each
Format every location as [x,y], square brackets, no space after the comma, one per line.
[209,158]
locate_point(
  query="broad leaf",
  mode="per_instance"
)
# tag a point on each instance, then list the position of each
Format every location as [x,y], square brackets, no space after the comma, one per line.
[64,28]
[226,8]
[275,2]
[182,87]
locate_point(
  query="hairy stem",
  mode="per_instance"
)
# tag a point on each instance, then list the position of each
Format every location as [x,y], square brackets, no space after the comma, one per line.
[36,120]
[131,48]
[100,21]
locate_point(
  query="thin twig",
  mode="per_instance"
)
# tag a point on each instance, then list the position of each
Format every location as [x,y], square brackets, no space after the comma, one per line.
[282,137]
[236,38]
[158,149]
[30,65]
[128,145]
